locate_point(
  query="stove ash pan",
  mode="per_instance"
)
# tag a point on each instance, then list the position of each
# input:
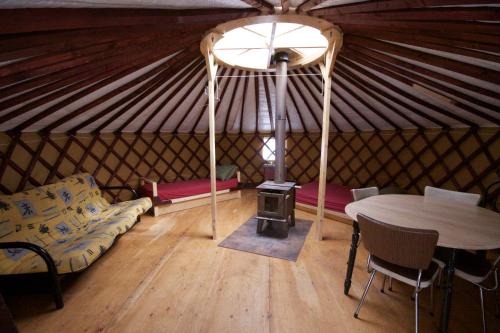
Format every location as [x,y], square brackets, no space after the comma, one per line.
[275,212]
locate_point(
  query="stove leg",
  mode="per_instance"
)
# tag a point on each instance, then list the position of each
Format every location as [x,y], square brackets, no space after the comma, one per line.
[260,223]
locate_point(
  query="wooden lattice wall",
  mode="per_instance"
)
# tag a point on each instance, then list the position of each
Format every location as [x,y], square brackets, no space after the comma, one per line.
[465,159]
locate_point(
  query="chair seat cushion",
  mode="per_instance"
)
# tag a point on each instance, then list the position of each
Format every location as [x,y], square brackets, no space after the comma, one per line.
[403,274]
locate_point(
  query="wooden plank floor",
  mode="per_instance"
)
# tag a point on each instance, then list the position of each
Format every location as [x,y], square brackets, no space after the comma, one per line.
[167,275]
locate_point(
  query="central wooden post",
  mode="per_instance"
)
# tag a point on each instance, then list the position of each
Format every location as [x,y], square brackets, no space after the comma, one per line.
[211,72]
[335,43]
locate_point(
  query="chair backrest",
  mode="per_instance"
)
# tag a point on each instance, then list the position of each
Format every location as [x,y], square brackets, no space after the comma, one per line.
[361,193]
[463,197]
[407,247]
[491,196]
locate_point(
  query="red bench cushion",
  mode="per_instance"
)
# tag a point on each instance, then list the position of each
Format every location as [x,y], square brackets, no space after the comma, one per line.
[186,188]
[336,196]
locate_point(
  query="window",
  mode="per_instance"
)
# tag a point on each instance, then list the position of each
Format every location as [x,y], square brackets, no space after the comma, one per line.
[269,149]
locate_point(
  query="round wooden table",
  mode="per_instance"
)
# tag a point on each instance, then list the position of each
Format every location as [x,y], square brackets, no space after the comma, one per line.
[460,226]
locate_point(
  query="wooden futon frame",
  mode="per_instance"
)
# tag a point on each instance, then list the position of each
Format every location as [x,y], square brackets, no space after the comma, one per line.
[161,207]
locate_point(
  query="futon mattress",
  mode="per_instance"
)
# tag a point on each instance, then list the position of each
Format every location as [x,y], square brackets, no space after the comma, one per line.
[186,188]
[336,196]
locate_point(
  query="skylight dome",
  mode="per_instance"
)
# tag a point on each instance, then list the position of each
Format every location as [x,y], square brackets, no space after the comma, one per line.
[253,46]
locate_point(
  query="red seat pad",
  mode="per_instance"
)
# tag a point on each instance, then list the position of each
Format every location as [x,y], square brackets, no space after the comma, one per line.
[336,196]
[186,188]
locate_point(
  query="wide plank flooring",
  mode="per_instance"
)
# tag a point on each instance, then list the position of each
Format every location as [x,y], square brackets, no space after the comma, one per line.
[167,275]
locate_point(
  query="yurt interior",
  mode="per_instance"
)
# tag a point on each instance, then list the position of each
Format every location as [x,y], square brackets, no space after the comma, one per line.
[249,166]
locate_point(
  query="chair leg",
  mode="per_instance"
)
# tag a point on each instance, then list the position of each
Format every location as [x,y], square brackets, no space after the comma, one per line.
[414,293]
[481,295]
[417,290]
[372,275]
[497,312]
[383,284]
[440,276]
[416,312]
[432,300]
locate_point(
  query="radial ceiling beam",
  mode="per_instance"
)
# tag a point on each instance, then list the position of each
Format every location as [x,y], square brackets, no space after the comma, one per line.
[196,80]
[391,5]
[263,6]
[227,115]
[372,91]
[423,71]
[478,72]
[181,83]
[346,62]
[318,86]
[285,6]
[92,84]
[307,5]
[179,68]
[21,20]
[222,92]
[413,79]
[243,100]
[427,14]
[175,65]
[389,65]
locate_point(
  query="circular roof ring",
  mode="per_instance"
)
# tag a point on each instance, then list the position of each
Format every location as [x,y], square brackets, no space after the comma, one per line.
[251,43]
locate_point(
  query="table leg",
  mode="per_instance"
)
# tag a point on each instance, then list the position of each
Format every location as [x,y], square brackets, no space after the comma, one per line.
[449,273]
[352,256]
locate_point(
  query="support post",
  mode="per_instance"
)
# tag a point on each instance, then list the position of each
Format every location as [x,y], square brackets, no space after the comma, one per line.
[335,42]
[211,72]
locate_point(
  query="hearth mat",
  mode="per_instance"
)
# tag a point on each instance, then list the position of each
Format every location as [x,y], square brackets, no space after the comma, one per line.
[246,239]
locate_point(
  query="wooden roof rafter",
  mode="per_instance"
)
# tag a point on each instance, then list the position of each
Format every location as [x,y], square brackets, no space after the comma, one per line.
[474,71]
[399,91]
[243,100]
[293,83]
[175,64]
[318,87]
[307,5]
[179,64]
[15,21]
[421,70]
[391,5]
[295,105]
[263,6]
[377,95]
[285,6]
[230,107]
[412,79]
[222,91]
[200,76]
[373,91]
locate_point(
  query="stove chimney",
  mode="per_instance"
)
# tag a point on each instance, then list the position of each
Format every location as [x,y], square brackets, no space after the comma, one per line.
[281,59]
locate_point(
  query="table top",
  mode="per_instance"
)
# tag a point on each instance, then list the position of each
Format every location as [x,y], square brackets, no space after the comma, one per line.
[460,226]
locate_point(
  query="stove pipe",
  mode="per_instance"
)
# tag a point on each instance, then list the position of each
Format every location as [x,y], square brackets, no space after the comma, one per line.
[281,59]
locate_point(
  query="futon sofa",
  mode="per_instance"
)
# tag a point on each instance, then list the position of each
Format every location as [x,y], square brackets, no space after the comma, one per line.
[62,227]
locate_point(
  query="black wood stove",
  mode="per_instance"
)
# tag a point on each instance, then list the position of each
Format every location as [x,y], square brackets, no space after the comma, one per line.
[276,198]
[276,204]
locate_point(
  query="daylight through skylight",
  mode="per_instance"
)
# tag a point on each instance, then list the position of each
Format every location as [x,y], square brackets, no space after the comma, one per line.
[253,46]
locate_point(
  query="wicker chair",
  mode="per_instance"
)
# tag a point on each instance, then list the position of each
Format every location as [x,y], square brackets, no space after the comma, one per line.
[404,254]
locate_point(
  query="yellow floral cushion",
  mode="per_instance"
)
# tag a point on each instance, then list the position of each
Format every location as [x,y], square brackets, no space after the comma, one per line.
[70,219]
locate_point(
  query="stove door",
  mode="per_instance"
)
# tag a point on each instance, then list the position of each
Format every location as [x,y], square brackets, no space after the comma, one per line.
[271,205]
